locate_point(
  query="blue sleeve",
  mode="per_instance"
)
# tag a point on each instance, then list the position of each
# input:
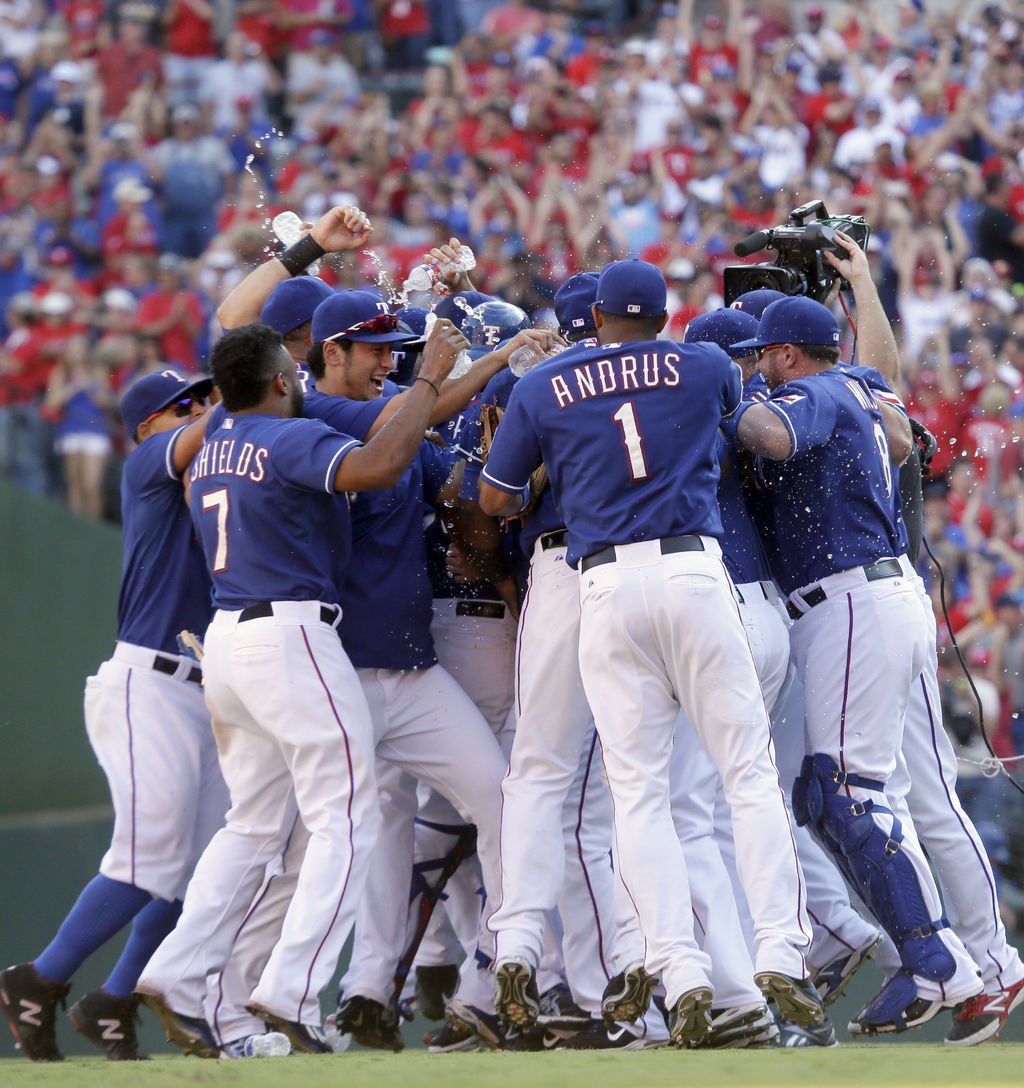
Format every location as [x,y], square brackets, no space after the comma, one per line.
[436,462]
[150,464]
[308,453]
[808,412]
[515,452]
[352,417]
[878,385]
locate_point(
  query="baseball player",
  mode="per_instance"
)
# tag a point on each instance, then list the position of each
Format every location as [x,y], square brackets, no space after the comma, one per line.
[421,718]
[147,723]
[923,784]
[659,629]
[571,808]
[292,726]
[858,641]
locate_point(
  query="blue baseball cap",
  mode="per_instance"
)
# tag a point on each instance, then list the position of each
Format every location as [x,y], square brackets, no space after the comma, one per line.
[794,320]
[725,328]
[153,393]
[456,308]
[573,302]
[631,288]
[754,302]
[292,303]
[356,315]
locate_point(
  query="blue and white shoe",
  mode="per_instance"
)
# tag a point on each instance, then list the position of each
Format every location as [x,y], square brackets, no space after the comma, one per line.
[831,980]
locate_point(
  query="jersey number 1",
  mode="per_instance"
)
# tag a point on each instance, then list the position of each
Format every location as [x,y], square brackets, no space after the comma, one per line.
[633,440]
[218,500]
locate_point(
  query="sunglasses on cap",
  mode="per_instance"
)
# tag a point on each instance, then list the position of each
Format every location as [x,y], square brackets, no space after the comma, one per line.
[379,324]
[181,408]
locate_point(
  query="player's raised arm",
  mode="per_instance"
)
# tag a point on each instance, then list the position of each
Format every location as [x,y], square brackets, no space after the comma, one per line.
[381,462]
[341,229]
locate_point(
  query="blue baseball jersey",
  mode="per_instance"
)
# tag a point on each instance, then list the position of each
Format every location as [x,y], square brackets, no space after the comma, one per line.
[833,500]
[545,516]
[264,506]
[742,551]
[386,593]
[629,437]
[165,587]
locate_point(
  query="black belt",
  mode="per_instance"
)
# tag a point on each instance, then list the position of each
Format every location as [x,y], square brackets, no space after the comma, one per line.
[739,595]
[669,544]
[873,572]
[488,610]
[557,539]
[265,609]
[169,667]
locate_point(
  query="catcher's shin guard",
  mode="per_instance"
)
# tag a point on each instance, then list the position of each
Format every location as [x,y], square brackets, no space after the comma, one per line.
[872,860]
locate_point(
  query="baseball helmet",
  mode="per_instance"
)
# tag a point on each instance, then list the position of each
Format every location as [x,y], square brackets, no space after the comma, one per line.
[492,322]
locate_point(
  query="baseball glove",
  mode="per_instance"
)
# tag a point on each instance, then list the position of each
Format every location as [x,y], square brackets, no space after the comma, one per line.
[490,417]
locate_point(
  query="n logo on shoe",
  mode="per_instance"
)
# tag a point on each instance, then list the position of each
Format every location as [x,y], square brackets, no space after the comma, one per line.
[111,1030]
[30,1013]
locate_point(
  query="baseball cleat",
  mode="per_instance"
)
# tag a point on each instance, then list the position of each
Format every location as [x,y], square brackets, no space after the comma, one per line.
[795,998]
[982,1017]
[741,1026]
[108,1022]
[304,1038]
[274,1044]
[601,1036]
[628,994]
[435,987]
[896,1007]
[191,1033]
[370,1023]
[30,1003]
[831,980]
[451,1038]
[484,1025]
[690,1020]
[517,1000]
[804,1035]
[558,1010]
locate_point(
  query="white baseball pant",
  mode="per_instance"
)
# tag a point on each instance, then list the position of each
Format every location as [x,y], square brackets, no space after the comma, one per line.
[858,653]
[659,633]
[151,733]
[294,734]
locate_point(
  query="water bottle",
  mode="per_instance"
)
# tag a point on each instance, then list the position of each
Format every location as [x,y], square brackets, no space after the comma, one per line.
[465,263]
[274,1044]
[288,228]
[424,277]
[526,358]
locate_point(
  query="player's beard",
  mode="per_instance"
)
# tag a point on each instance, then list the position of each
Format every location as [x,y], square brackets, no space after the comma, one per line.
[297,401]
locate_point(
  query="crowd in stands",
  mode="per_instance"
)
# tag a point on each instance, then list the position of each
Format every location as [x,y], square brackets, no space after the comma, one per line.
[145,145]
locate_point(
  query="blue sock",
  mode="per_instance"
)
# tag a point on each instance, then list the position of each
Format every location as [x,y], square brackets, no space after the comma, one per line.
[104,907]
[151,925]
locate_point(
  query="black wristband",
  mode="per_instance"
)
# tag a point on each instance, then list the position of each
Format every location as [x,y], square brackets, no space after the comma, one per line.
[420,378]
[297,257]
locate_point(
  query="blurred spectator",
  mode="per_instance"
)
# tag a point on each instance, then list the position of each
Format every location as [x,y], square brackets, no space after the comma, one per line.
[1000,236]
[129,63]
[191,169]
[79,402]
[191,49]
[404,27]
[243,74]
[172,314]
[318,80]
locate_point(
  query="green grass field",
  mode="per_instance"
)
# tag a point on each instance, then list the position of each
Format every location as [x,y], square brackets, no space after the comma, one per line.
[852,1066]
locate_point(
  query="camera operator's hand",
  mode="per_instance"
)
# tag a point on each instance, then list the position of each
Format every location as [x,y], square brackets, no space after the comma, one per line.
[852,266]
[876,343]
